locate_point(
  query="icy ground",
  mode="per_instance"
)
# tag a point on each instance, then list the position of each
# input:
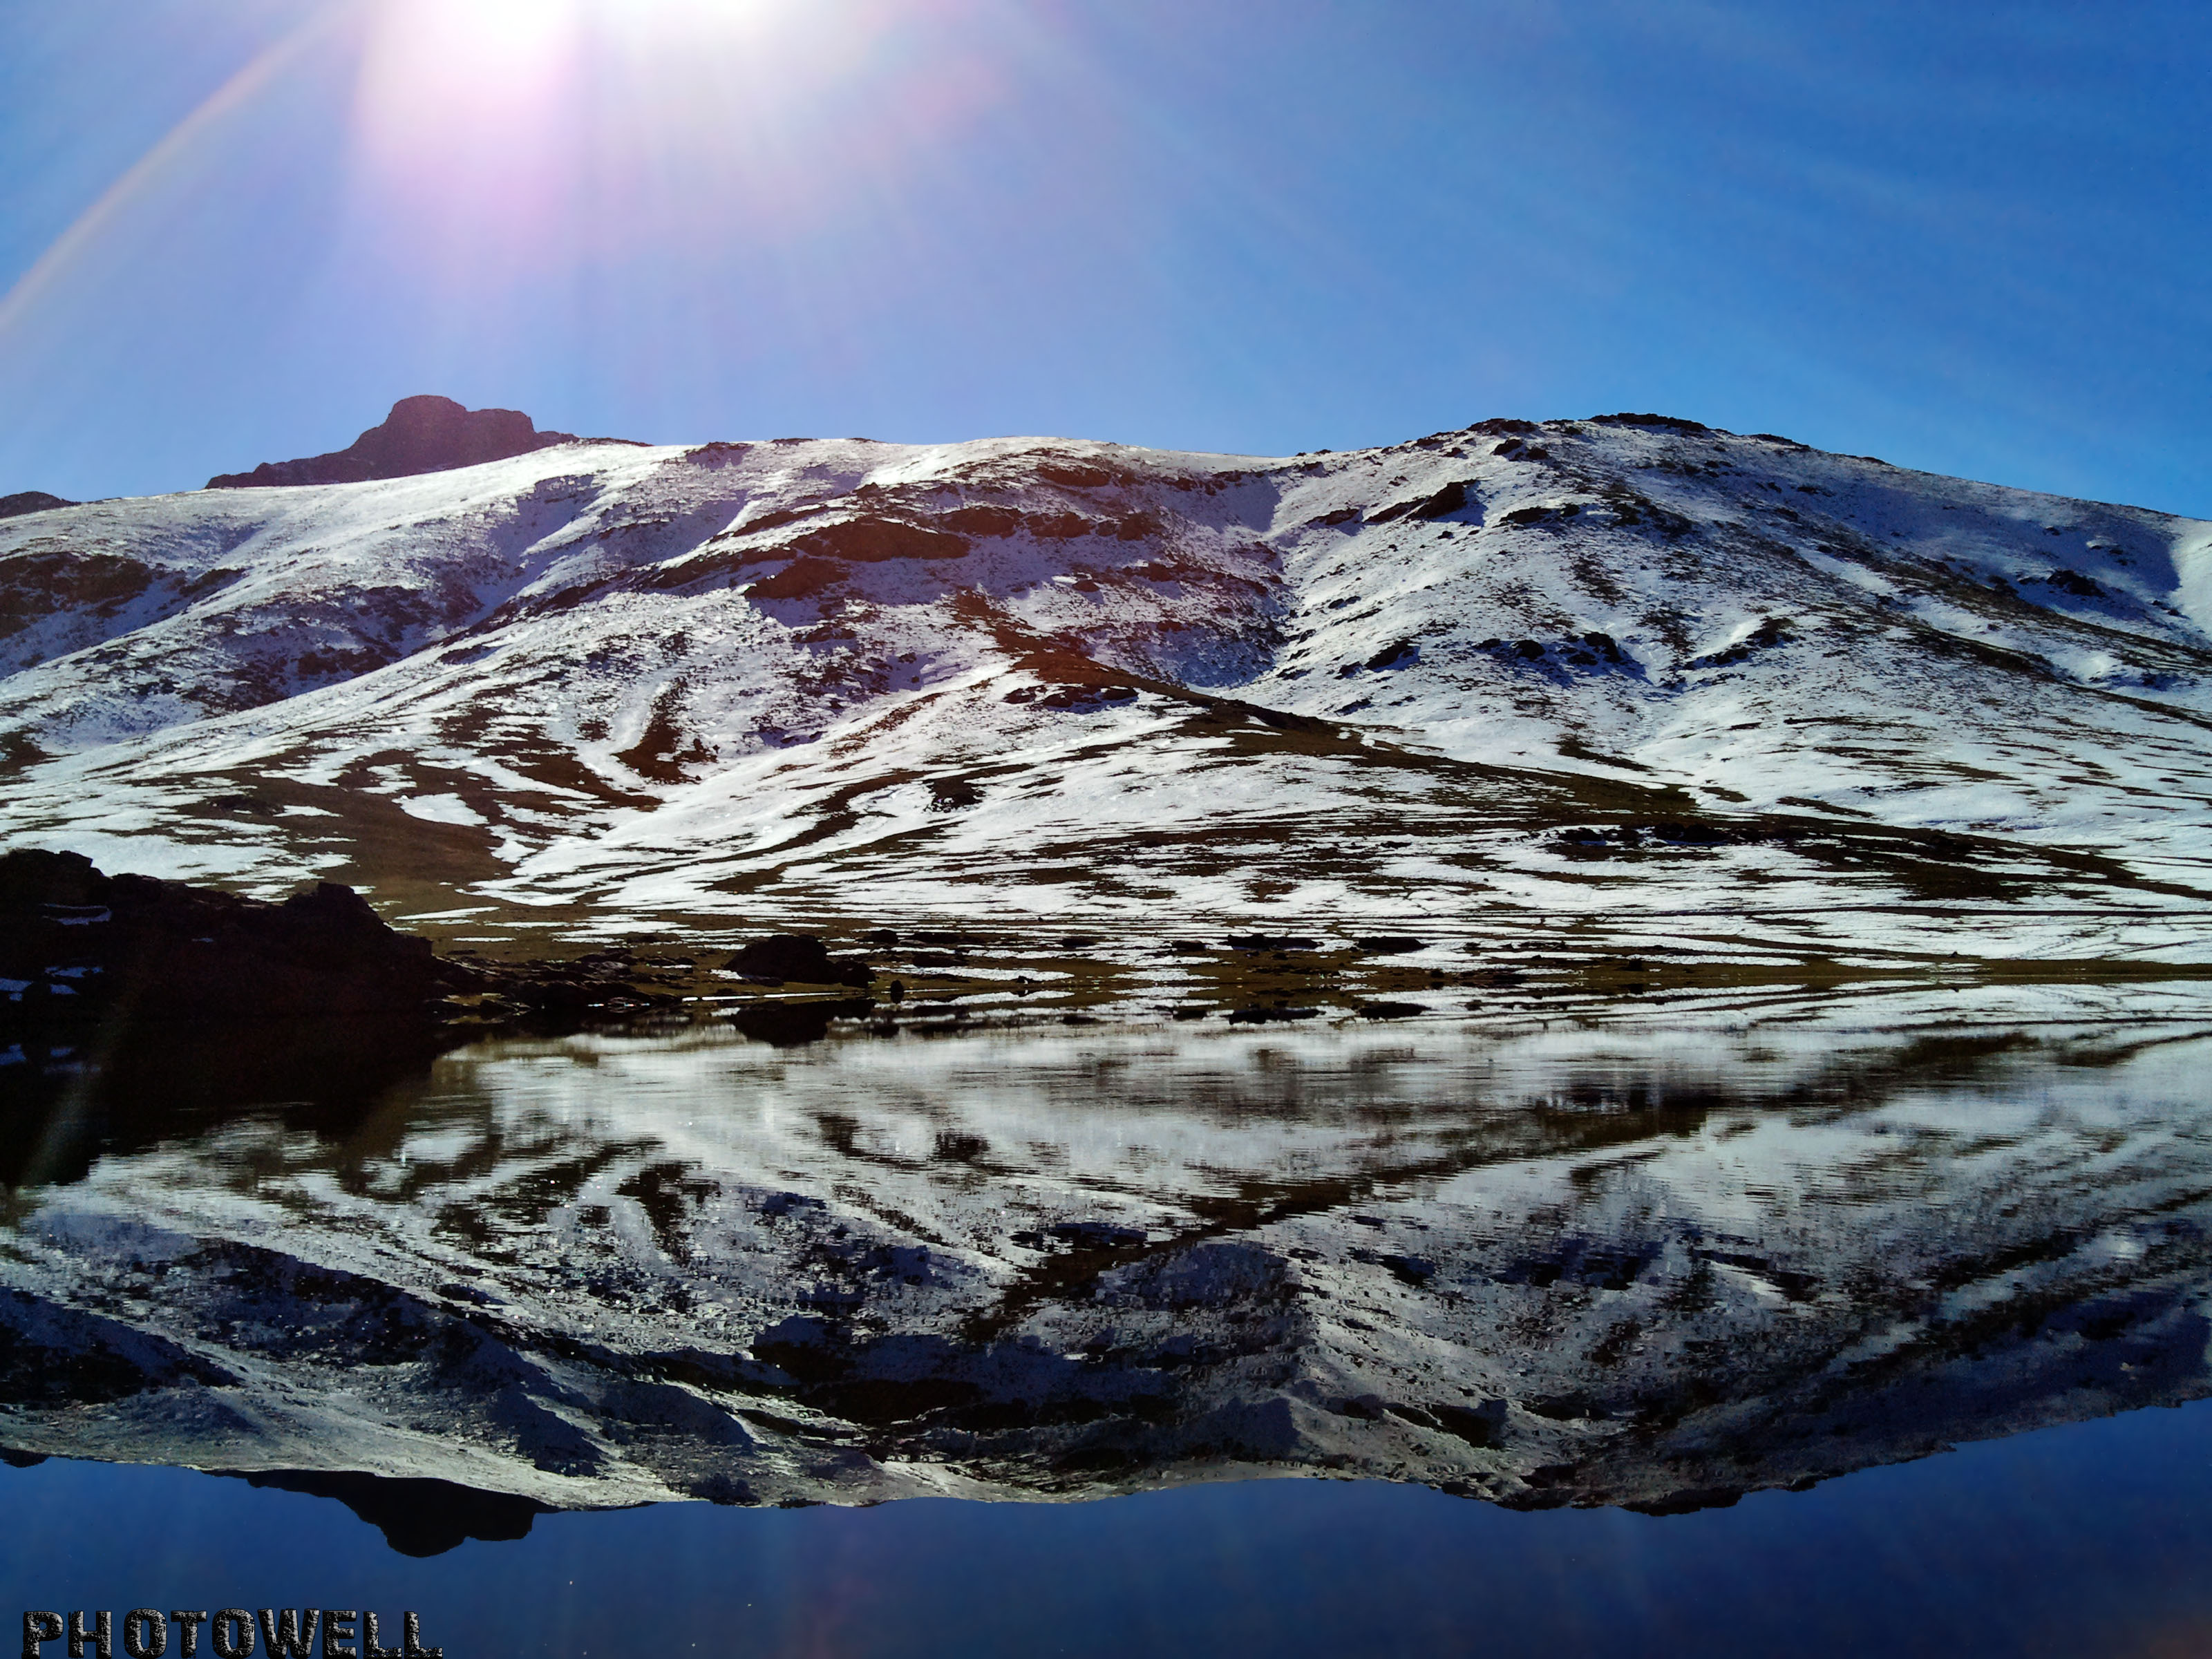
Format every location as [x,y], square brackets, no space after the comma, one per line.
[1624,668]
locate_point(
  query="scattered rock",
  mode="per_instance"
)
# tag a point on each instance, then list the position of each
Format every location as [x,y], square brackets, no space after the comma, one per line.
[1770,632]
[1083,699]
[1688,834]
[1603,645]
[1534,515]
[1414,1270]
[1259,1016]
[1663,422]
[952,794]
[1095,1235]
[875,540]
[1451,499]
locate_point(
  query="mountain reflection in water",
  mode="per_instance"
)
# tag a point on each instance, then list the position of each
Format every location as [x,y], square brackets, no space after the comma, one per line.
[1564,1267]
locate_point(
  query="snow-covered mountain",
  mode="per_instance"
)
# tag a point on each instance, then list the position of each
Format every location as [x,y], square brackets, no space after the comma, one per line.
[1627,665]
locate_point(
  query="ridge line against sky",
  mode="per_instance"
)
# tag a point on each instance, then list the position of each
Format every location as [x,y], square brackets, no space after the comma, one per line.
[1971,244]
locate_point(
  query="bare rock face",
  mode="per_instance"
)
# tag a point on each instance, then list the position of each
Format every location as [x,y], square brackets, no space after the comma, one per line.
[30,501]
[421,434]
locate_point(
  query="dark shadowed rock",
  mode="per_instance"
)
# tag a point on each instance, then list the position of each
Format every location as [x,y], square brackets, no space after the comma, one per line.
[793,1024]
[799,957]
[30,501]
[1388,944]
[76,945]
[421,434]
[418,1517]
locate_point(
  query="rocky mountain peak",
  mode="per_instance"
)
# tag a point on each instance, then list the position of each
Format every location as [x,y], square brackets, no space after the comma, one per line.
[425,434]
[30,501]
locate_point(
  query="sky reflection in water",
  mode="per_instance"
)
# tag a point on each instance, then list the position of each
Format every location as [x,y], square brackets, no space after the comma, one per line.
[2089,1539]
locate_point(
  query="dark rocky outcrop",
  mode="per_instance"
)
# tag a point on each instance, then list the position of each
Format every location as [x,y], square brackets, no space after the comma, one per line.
[30,501]
[799,956]
[78,945]
[418,1517]
[421,434]
[38,583]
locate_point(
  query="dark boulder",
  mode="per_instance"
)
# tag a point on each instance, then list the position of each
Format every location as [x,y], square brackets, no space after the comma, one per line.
[799,956]
[1276,1016]
[1451,499]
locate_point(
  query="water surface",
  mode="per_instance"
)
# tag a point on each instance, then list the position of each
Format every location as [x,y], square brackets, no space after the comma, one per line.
[1332,1337]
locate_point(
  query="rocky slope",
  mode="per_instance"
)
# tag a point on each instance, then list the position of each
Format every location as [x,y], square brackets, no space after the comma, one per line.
[1626,667]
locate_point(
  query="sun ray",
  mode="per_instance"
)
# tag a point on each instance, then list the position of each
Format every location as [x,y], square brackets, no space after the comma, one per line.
[164,158]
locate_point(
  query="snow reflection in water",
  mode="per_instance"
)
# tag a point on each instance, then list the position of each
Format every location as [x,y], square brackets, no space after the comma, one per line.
[1571,1266]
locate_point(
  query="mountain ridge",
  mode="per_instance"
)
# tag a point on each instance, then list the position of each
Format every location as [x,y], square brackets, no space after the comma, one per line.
[1469,672]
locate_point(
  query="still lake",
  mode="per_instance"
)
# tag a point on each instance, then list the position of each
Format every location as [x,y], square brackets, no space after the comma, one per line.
[1821,1330]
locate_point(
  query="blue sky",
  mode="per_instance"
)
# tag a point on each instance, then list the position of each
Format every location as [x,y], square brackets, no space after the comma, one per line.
[1966,238]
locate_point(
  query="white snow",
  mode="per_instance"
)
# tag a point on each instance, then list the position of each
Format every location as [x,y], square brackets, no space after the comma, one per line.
[837,677]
